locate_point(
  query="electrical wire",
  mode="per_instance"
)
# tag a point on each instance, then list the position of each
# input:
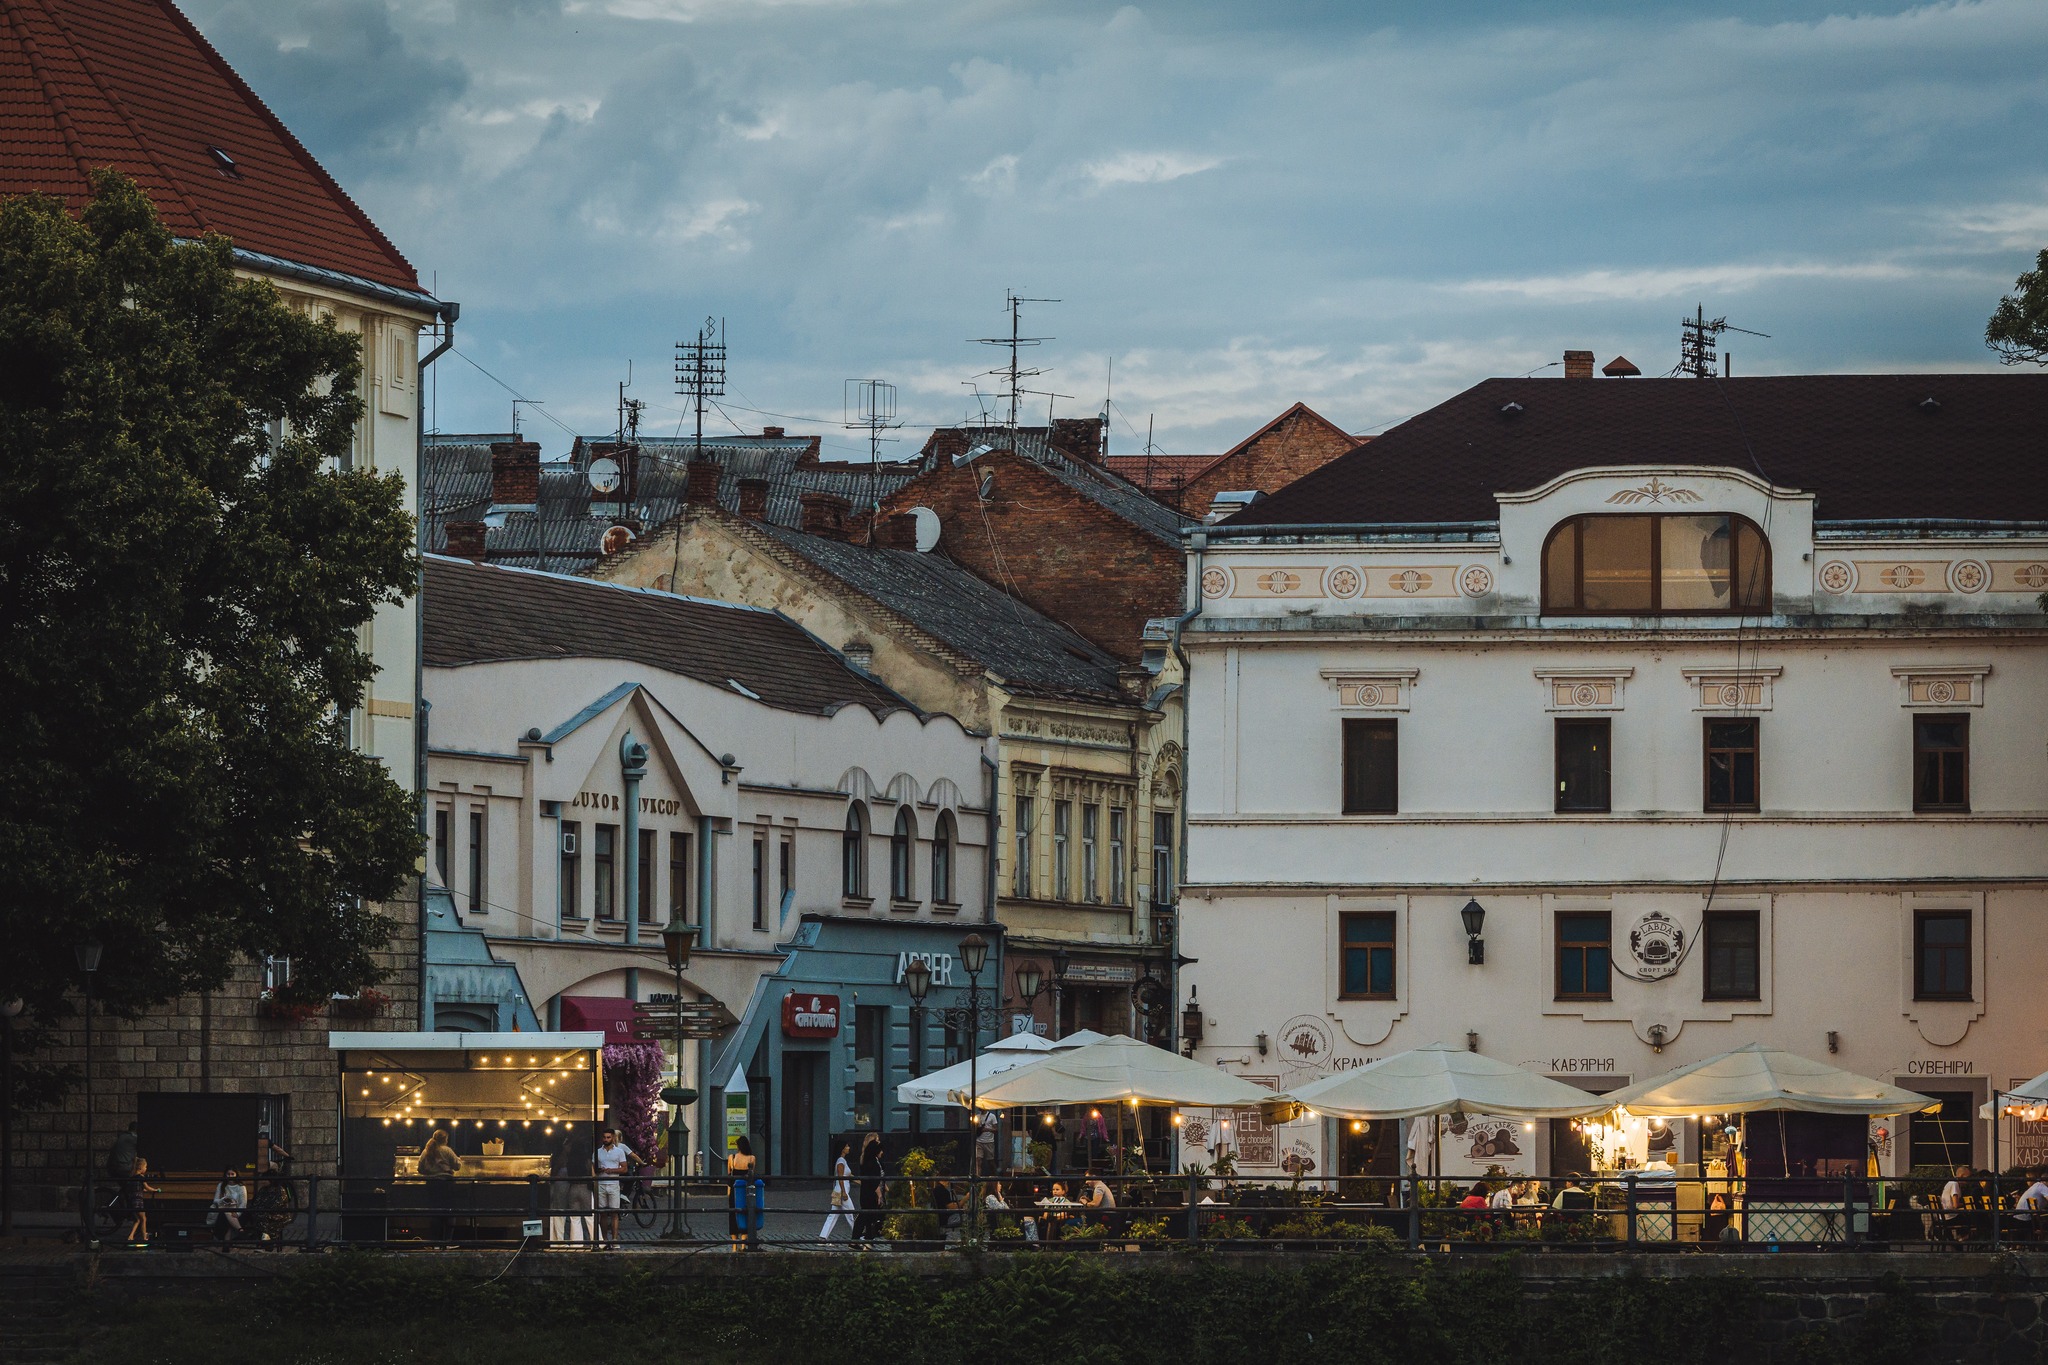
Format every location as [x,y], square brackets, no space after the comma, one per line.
[533,403]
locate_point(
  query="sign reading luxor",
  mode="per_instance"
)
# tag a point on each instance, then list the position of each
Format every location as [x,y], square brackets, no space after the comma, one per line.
[810,1016]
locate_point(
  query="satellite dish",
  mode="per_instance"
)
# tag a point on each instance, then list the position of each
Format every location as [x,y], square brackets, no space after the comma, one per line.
[927,529]
[604,474]
[988,487]
[617,539]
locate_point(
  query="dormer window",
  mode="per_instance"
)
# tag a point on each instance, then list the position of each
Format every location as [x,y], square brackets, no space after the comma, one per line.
[224,163]
[1621,565]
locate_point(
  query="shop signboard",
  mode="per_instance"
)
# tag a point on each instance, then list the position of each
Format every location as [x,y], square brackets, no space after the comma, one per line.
[806,1015]
[1101,973]
[735,1111]
[1256,1142]
[2029,1140]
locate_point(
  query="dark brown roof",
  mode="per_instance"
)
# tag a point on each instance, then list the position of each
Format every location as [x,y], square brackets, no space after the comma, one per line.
[1868,446]
[87,84]
[476,613]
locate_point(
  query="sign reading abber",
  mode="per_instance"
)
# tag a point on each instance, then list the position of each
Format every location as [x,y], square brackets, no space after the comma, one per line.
[810,1016]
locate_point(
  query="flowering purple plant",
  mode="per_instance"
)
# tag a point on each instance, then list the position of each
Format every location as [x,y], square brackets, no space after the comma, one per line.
[632,1082]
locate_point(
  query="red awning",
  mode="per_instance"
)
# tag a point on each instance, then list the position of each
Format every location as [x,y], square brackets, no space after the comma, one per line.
[611,1015]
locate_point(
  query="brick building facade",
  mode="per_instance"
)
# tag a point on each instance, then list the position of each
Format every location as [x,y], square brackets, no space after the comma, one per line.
[1296,443]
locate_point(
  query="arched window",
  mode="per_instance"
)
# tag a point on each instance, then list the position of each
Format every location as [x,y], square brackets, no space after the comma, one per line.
[1704,562]
[853,852]
[901,841]
[942,859]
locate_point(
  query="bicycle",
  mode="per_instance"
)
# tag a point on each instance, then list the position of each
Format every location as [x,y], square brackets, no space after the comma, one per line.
[642,1201]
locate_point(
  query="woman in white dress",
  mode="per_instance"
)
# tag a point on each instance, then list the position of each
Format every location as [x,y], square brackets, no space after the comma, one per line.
[841,1193]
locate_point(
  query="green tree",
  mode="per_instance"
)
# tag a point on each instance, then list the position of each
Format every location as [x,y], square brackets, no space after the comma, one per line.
[187,566]
[2018,329]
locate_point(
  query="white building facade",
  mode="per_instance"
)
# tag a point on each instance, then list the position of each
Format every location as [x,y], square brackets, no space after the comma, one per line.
[1712,762]
[606,759]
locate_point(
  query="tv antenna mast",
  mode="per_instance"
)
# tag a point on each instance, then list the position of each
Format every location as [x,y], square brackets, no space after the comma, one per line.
[1013,374]
[871,407]
[516,404]
[1697,339]
[700,372]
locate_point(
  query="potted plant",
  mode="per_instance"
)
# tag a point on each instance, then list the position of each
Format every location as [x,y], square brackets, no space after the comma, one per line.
[367,1003]
[284,1005]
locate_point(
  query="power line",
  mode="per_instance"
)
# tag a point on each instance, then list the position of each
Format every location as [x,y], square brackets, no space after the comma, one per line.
[534,403]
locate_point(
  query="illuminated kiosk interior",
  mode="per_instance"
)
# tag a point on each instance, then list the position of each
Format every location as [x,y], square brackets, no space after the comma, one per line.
[509,1103]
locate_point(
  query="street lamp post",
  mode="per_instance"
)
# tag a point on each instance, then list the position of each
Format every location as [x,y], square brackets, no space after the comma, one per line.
[677,941]
[1029,982]
[1060,962]
[10,1010]
[88,955]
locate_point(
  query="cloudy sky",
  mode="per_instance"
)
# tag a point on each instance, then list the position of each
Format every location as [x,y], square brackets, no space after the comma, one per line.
[1364,205]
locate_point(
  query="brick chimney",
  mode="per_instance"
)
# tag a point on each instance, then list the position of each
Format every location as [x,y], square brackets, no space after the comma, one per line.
[827,516]
[771,432]
[897,532]
[466,540]
[754,499]
[515,473]
[700,482]
[1080,437]
[1578,364]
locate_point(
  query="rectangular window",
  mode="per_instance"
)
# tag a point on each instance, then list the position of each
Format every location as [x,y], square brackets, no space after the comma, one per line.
[1946,1137]
[1941,955]
[1734,954]
[443,819]
[645,891]
[786,877]
[1117,864]
[1368,956]
[679,878]
[760,882]
[1020,875]
[1371,768]
[1162,860]
[870,1033]
[1091,859]
[569,891]
[479,895]
[1583,963]
[1731,764]
[602,858]
[1062,837]
[1941,763]
[1582,765]
[1617,562]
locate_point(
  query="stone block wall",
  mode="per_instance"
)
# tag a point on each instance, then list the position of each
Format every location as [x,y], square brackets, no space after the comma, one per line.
[218,1043]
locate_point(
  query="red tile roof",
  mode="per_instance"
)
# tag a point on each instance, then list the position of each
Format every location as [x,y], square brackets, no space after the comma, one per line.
[86,84]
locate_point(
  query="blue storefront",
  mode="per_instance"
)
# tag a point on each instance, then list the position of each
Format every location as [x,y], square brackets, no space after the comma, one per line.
[824,1041]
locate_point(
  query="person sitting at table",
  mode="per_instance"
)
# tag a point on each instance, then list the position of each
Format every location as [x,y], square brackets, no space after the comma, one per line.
[1099,1195]
[2032,1206]
[1573,1198]
[1057,1220]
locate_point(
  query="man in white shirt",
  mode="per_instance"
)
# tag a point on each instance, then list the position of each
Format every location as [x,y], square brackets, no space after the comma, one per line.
[2031,1211]
[1952,1195]
[611,1162]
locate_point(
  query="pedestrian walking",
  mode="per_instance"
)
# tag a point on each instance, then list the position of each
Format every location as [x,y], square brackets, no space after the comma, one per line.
[569,1190]
[869,1223]
[840,1194]
[136,1191]
[611,1162]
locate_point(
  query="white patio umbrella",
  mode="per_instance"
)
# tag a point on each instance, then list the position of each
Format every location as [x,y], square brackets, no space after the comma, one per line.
[1019,1049]
[1115,1070]
[1758,1078]
[1441,1079]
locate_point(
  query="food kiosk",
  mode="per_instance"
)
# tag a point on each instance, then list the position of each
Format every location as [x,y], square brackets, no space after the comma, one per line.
[515,1107]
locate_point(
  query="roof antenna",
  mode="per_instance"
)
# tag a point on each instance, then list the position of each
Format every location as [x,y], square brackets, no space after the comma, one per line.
[700,372]
[1014,304]
[1697,338]
[529,402]
[871,407]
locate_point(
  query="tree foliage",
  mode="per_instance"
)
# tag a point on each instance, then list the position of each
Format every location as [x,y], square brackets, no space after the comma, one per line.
[2018,329]
[187,567]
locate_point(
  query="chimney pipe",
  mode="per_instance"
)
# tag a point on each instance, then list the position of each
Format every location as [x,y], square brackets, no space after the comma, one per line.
[754,499]
[466,540]
[898,532]
[827,516]
[515,473]
[700,482]
[771,431]
[1578,364]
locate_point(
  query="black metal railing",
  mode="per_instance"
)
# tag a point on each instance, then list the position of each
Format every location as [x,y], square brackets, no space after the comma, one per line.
[1027,1212]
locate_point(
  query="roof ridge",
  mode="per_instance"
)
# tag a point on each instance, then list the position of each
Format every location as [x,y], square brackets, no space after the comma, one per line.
[291,142]
[143,144]
[584,580]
